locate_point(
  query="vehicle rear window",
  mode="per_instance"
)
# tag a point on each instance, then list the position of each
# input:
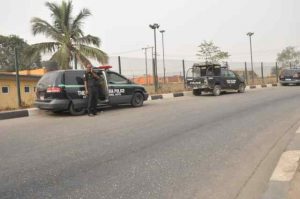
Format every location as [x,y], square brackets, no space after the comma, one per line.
[53,78]
[193,73]
[289,72]
[74,77]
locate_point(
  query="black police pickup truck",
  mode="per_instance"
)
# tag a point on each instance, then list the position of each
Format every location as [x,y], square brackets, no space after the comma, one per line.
[63,90]
[213,78]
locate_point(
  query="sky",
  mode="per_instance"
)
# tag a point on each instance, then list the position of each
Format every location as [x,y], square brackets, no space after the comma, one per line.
[123,26]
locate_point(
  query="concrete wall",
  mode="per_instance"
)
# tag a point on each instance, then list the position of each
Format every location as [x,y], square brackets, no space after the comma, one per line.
[9,100]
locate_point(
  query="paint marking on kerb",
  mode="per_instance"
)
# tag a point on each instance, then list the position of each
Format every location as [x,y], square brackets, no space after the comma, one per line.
[286,167]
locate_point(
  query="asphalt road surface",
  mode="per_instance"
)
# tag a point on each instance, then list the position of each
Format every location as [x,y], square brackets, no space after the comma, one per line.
[202,147]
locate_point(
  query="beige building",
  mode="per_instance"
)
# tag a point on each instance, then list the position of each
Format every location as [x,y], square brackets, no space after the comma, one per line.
[8,90]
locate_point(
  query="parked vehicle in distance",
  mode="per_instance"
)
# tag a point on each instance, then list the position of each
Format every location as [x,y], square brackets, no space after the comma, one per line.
[63,90]
[290,76]
[213,78]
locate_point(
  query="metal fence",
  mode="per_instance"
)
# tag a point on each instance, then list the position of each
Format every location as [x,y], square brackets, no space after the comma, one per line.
[175,69]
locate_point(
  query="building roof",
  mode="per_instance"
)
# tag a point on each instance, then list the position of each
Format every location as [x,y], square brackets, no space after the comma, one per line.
[4,75]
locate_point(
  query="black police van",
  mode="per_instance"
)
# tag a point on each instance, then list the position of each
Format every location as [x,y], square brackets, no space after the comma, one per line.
[63,90]
[213,78]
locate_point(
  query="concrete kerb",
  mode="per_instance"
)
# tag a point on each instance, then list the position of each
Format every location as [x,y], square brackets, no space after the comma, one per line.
[168,95]
[18,113]
[283,174]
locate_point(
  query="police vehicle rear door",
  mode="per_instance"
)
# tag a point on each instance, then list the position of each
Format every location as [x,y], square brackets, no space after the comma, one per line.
[224,79]
[74,85]
[120,89]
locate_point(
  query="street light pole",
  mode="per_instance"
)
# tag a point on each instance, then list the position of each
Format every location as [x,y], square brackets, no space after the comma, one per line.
[154,27]
[250,35]
[163,49]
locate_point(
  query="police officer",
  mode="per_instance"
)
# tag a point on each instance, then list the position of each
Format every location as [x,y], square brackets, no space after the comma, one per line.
[91,85]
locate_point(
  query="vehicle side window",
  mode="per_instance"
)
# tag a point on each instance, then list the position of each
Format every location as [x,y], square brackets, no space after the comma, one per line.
[114,78]
[223,73]
[230,74]
[74,78]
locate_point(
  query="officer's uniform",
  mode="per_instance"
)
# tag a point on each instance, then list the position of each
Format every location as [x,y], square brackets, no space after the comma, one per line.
[93,92]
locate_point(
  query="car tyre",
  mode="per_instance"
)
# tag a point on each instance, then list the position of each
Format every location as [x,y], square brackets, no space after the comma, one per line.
[217,90]
[196,92]
[283,84]
[137,99]
[76,112]
[241,88]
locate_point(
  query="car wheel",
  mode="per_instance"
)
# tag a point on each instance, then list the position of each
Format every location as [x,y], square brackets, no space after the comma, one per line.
[137,99]
[283,84]
[217,90]
[76,112]
[196,92]
[241,88]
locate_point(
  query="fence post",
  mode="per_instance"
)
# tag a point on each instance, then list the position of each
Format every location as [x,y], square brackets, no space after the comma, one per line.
[183,68]
[262,73]
[120,67]
[154,76]
[17,78]
[246,72]
[277,72]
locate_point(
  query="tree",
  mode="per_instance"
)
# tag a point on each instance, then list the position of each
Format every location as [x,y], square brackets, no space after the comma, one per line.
[7,54]
[288,56]
[211,53]
[69,41]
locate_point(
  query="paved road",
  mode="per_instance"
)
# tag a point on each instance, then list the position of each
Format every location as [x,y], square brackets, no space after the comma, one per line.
[191,147]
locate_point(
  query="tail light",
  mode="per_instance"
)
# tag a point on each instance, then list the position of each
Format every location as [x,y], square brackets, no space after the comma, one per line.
[296,75]
[281,76]
[54,90]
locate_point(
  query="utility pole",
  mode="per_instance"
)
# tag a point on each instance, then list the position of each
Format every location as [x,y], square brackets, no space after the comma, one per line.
[146,61]
[250,34]
[154,27]
[163,49]
[17,78]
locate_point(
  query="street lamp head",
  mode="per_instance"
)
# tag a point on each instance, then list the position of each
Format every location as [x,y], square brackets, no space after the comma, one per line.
[162,31]
[250,34]
[154,26]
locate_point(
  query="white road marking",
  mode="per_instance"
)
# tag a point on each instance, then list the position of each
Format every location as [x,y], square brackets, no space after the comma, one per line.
[286,167]
[298,131]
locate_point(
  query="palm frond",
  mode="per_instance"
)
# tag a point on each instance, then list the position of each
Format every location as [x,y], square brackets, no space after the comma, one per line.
[45,47]
[66,10]
[40,26]
[56,15]
[62,57]
[94,53]
[77,22]
[88,39]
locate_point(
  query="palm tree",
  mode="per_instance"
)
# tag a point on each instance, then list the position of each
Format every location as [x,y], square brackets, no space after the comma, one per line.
[69,41]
